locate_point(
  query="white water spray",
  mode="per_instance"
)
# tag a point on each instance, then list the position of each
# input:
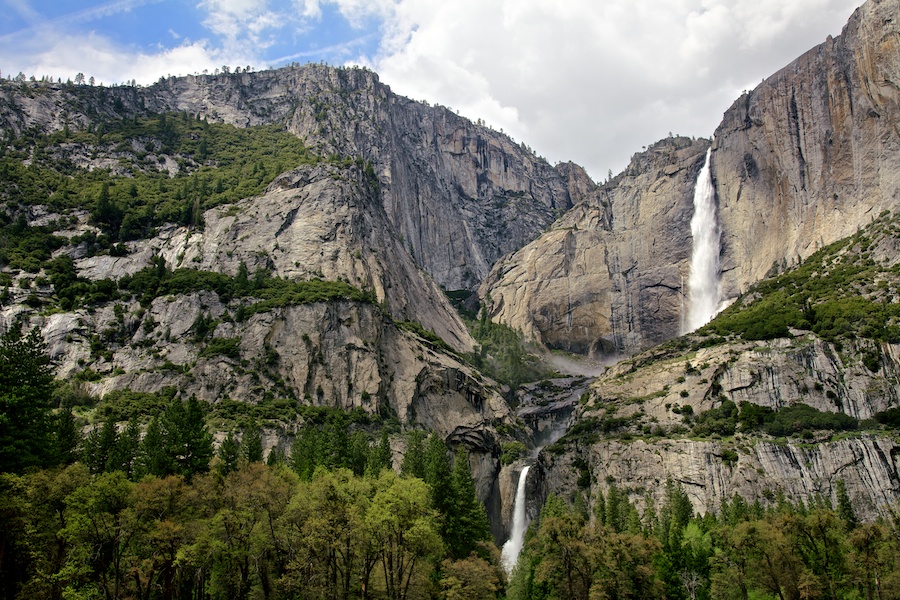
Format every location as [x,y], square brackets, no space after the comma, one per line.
[703,283]
[513,546]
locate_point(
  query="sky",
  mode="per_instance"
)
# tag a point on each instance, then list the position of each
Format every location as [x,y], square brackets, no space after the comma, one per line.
[591,81]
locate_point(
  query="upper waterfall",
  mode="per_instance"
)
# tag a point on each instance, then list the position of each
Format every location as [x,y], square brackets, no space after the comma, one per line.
[703,284]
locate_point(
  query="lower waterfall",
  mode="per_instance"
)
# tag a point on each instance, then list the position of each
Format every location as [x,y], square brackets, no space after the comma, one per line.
[513,546]
[703,284]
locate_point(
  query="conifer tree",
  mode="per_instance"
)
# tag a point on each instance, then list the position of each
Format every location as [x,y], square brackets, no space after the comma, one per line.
[251,445]
[229,453]
[845,507]
[153,455]
[26,376]
[188,439]
[67,438]
[413,464]
[379,456]
[466,522]
[100,447]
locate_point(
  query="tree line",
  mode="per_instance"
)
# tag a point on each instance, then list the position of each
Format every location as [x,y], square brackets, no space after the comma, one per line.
[789,551]
[151,510]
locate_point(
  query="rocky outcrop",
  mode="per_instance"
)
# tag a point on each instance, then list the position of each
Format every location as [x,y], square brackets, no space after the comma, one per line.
[635,429]
[341,354]
[803,160]
[323,221]
[608,277]
[813,152]
[713,471]
[654,388]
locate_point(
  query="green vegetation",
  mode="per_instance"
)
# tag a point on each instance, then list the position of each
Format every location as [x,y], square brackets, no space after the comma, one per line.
[25,248]
[839,292]
[151,512]
[511,452]
[214,163]
[788,550]
[502,355]
[429,336]
[159,280]
[790,420]
[244,530]
[227,347]
[32,433]
[126,405]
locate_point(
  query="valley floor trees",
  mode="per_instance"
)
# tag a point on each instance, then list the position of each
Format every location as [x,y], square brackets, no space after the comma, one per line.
[258,531]
[788,552]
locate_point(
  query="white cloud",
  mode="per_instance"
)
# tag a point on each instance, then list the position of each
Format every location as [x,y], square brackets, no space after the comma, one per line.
[242,22]
[97,57]
[577,80]
[594,81]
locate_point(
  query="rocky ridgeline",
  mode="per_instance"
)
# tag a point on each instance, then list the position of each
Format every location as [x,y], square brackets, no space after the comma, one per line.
[458,194]
[808,157]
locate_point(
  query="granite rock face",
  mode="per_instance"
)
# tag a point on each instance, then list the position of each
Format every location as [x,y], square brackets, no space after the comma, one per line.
[813,152]
[869,467]
[323,221]
[806,158]
[635,428]
[608,277]
[459,195]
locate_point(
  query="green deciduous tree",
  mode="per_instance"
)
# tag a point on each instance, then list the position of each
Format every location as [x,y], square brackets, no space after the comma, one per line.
[404,526]
[100,528]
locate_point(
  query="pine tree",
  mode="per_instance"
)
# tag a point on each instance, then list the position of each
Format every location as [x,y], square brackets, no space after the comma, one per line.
[466,522]
[67,438]
[189,440]
[845,507]
[413,464]
[229,453]
[123,454]
[100,447]
[251,445]
[379,456]
[26,377]
[153,456]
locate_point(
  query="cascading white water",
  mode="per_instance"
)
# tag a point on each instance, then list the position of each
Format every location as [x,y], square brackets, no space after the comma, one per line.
[703,284]
[513,546]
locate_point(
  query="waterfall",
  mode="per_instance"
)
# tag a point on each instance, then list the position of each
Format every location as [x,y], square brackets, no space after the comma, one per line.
[513,546]
[703,283]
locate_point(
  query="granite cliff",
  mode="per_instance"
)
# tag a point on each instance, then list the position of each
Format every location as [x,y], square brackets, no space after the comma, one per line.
[806,158]
[608,276]
[458,194]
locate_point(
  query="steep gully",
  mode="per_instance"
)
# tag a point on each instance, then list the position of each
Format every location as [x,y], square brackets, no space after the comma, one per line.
[550,420]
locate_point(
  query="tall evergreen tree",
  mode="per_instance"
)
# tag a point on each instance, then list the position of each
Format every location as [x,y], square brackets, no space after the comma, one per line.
[466,522]
[100,446]
[67,438]
[379,456]
[845,507]
[26,376]
[184,425]
[251,444]
[153,456]
[413,464]
[229,453]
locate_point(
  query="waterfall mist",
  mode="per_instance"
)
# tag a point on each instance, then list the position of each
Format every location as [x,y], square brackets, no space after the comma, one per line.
[513,546]
[703,284]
